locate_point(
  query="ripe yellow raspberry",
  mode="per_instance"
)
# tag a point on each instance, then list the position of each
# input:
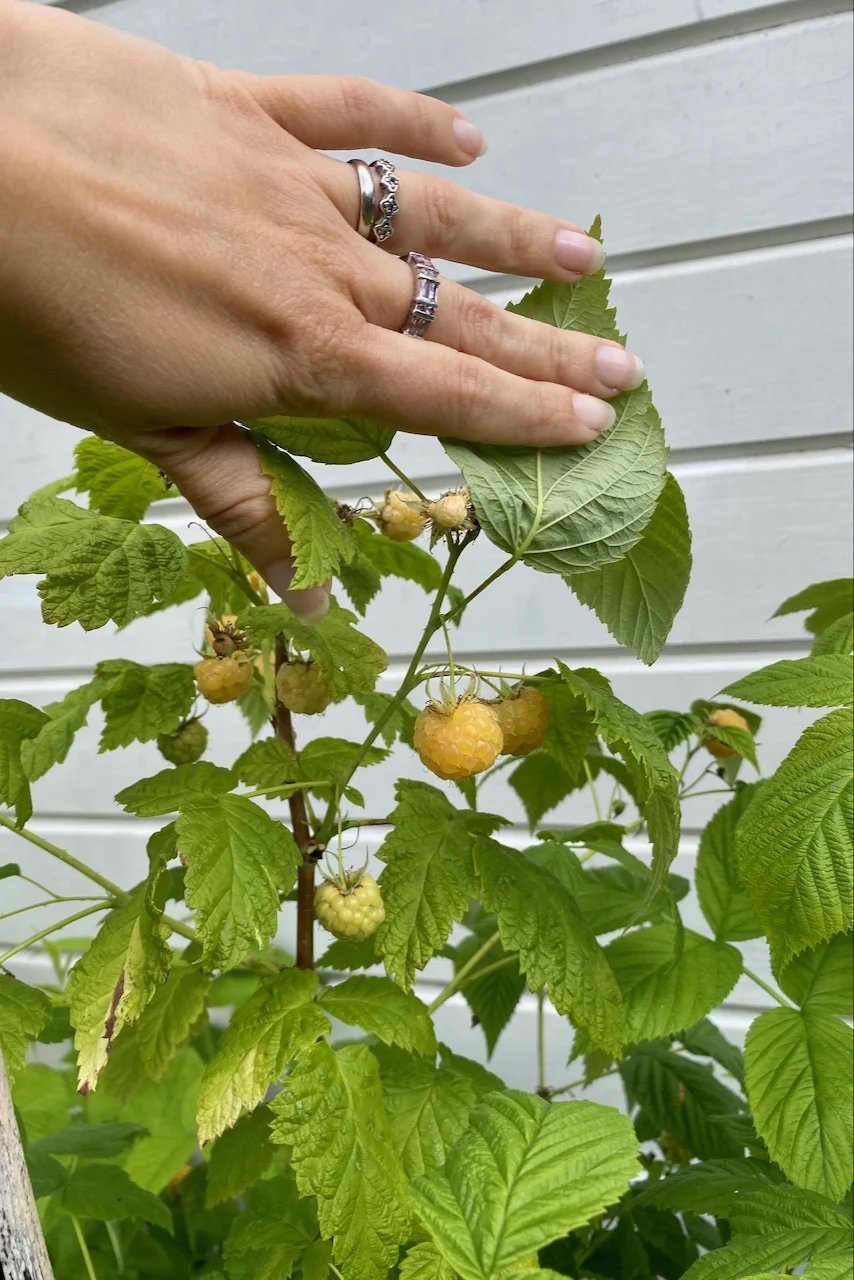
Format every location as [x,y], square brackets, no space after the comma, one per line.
[353,913]
[459,741]
[452,511]
[401,518]
[301,688]
[223,679]
[524,720]
[186,745]
[724,716]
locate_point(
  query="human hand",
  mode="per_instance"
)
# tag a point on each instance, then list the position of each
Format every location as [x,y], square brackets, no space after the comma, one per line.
[175,254]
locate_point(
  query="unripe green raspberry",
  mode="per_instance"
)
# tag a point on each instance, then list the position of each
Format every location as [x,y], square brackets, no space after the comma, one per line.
[186,745]
[352,914]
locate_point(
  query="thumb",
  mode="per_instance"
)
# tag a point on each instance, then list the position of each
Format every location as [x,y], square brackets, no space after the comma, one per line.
[218,471]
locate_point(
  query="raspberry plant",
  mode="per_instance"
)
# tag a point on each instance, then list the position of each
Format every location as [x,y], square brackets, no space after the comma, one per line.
[220,1107]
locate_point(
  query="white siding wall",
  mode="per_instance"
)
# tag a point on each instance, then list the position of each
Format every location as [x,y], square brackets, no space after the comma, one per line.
[714,136]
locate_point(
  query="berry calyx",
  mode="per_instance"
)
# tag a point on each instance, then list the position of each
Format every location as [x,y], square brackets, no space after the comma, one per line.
[453,510]
[401,518]
[186,745]
[459,740]
[223,637]
[223,679]
[726,717]
[352,913]
[301,688]
[524,720]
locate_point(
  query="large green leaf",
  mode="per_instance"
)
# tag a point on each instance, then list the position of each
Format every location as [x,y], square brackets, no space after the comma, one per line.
[350,662]
[98,569]
[424,1262]
[168,1110]
[119,483]
[148,1048]
[666,986]
[239,1157]
[263,1035]
[321,542]
[53,742]
[538,917]
[381,557]
[105,1192]
[332,440]
[829,601]
[794,843]
[379,1007]
[837,638]
[524,1173]
[541,783]
[823,977]
[710,1186]
[491,993]
[330,1112]
[238,860]
[799,1081]
[167,791]
[834,1266]
[428,1108]
[684,1099]
[639,596]
[19,723]
[823,681]
[723,900]
[142,702]
[23,1012]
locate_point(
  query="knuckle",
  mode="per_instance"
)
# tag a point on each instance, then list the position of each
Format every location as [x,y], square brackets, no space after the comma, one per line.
[481,320]
[471,392]
[519,232]
[358,99]
[441,208]
[236,517]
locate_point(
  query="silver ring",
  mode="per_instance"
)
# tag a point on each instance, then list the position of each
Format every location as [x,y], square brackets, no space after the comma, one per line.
[367,197]
[387,205]
[422,313]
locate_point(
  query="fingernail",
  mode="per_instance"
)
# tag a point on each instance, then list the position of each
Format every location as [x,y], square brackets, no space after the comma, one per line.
[619,369]
[595,414]
[574,251]
[469,138]
[310,604]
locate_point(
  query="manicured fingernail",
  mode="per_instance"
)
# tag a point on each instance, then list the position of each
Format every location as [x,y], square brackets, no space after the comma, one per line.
[469,138]
[574,251]
[595,414]
[619,369]
[310,605]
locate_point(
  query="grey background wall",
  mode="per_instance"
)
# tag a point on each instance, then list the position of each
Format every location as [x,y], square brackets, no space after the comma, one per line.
[714,137]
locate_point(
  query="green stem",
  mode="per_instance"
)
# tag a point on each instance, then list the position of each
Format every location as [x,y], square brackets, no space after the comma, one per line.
[508,564]
[453,677]
[541,1042]
[392,466]
[588,772]
[459,978]
[289,787]
[717,791]
[53,928]
[692,751]
[353,823]
[334,1269]
[489,968]
[775,995]
[579,1084]
[116,1242]
[84,1249]
[33,906]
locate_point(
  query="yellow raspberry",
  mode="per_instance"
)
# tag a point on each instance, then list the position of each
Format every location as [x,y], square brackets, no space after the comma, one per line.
[524,720]
[353,913]
[452,511]
[223,679]
[401,518]
[301,688]
[458,742]
[724,716]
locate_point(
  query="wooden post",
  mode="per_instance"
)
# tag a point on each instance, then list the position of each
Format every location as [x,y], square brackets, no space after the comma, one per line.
[302,835]
[23,1253]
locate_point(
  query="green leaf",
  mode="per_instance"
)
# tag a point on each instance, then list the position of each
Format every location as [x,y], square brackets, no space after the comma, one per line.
[142,702]
[835,1266]
[52,743]
[8,870]
[98,569]
[524,1173]
[331,440]
[706,1041]
[255,706]
[382,1009]
[723,900]
[119,483]
[732,735]
[823,977]
[823,681]
[667,987]
[167,791]
[837,638]
[19,723]
[115,979]
[349,661]
[105,1192]
[397,559]
[639,596]
[46,1174]
[269,763]
[168,1111]
[427,1106]
[148,1048]
[799,1081]
[239,1158]
[321,541]
[493,997]
[829,601]
[328,757]
[424,1262]
[361,582]
[673,727]
[683,1098]
[428,879]
[238,859]
[400,723]
[262,1247]
[541,782]
[276,1022]
[23,1012]
[221,572]
[481,1079]
[316,1260]
[93,1141]
[330,1112]
[794,843]
[582,306]
[538,918]
[710,1187]
[702,708]
[343,954]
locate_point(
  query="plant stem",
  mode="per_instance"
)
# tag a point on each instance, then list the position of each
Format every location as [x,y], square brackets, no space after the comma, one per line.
[592,785]
[459,978]
[53,928]
[33,906]
[502,568]
[392,466]
[84,1249]
[541,1043]
[775,995]
[578,1084]
[352,823]
[302,835]
[489,968]
[717,791]
[286,786]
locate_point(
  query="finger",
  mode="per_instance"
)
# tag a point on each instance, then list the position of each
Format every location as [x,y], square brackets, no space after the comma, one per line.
[337,112]
[442,219]
[217,470]
[432,390]
[472,324]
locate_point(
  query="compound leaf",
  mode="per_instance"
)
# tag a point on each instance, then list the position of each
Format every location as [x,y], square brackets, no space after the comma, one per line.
[379,1007]
[685,1100]
[829,601]
[818,681]
[52,743]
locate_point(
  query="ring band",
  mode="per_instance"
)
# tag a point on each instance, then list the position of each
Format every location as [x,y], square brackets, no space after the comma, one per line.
[422,313]
[388,206]
[367,198]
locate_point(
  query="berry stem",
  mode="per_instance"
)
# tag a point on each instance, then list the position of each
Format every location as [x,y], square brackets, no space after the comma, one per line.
[410,484]
[459,978]
[592,785]
[775,995]
[302,835]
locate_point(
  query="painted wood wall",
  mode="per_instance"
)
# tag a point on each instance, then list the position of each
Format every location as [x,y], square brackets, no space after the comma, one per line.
[714,137]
